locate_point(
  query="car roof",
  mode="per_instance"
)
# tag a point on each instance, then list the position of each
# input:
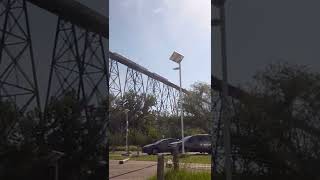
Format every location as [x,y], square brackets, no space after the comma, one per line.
[201,135]
[160,140]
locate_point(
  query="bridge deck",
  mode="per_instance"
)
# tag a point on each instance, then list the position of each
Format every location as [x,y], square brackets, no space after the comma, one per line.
[76,13]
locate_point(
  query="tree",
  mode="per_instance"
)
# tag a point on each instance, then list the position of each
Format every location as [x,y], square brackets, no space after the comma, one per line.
[140,117]
[277,126]
[19,156]
[82,140]
[196,105]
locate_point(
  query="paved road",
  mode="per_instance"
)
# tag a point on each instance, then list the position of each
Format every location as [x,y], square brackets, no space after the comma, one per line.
[133,170]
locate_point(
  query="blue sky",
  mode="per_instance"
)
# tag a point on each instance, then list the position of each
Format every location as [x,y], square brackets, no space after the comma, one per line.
[148,31]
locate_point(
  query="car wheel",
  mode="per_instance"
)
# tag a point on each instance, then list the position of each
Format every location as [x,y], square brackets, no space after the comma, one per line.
[155,151]
[172,151]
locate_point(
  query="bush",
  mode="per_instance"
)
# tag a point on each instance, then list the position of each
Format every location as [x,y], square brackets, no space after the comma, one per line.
[137,138]
[116,139]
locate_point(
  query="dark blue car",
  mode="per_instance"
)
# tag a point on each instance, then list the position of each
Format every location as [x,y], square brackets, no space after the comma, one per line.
[160,146]
[195,143]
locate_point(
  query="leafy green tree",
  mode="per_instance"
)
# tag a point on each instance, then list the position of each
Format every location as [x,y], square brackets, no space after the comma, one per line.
[19,157]
[277,125]
[140,117]
[196,105]
[82,140]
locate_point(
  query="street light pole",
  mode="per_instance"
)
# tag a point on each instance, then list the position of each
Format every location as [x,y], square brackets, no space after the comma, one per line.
[176,57]
[127,130]
[181,108]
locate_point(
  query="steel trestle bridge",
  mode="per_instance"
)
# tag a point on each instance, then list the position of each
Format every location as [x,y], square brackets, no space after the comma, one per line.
[80,61]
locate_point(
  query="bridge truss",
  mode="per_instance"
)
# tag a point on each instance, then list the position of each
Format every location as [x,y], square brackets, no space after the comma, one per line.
[81,62]
[126,75]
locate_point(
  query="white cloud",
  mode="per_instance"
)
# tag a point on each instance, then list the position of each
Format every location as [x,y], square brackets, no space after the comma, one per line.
[196,12]
[157,10]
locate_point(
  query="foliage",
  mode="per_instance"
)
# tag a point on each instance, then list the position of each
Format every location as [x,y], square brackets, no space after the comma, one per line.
[278,124]
[185,175]
[18,146]
[81,139]
[26,150]
[196,105]
[146,126]
[140,117]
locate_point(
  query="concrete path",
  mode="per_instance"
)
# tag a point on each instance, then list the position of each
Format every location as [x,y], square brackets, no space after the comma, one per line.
[133,170]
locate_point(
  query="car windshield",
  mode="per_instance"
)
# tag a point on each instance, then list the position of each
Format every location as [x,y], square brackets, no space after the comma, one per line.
[159,141]
[186,138]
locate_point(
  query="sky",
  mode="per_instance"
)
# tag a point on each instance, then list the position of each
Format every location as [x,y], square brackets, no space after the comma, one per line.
[43,27]
[263,31]
[148,31]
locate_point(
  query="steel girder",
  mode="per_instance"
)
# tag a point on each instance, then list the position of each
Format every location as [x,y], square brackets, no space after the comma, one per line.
[130,79]
[114,79]
[18,78]
[133,81]
[218,157]
[79,63]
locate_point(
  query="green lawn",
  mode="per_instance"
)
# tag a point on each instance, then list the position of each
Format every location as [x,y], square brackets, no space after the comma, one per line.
[115,156]
[185,175]
[197,158]
[194,158]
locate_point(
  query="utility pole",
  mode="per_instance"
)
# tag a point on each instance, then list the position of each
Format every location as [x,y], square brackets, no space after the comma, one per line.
[176,57]
[220,22]
[181,108]
[127,130]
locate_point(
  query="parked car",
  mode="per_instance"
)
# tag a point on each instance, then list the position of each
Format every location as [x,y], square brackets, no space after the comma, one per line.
[159,146]
[195,143]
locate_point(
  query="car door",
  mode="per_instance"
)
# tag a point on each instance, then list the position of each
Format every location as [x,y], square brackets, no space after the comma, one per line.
[188,144]
[192,144]
[204,143]
[162,145]
[171,140]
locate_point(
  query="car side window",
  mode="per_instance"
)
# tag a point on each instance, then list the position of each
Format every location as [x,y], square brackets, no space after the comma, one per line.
[164,142]
[193,139]
[202,138]
[205,138]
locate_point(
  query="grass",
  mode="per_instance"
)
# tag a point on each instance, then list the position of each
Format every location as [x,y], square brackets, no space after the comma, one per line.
[185,175]
[123,148]
[115,156]
[194,158]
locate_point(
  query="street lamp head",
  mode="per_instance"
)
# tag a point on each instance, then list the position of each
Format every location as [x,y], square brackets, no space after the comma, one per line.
[176,57]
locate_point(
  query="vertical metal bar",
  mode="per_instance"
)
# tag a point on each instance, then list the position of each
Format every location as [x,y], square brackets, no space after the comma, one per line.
[127,131]
[225,104]
[220,4]
[53,62]
[34,73]
[4,29]
[181,108]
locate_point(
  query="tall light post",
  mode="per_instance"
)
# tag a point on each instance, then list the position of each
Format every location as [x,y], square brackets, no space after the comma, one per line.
[176,57]
[127,129]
